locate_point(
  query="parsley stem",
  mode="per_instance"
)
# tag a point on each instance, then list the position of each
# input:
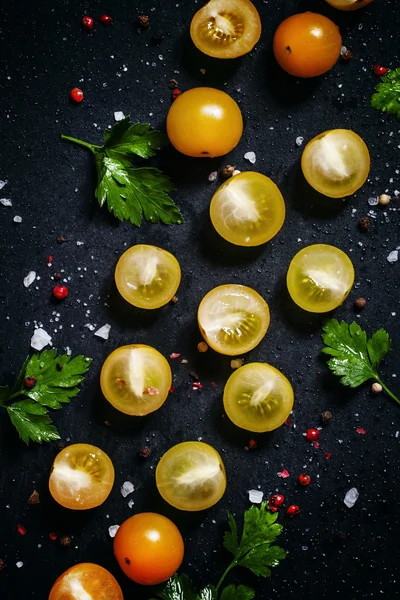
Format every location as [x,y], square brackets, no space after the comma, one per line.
[90,147]
[225,573]
[389,393]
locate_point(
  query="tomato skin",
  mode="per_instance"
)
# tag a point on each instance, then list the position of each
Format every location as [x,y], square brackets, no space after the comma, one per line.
[204,122]
[307,44]
[149,548]
[348,5]
[95,580]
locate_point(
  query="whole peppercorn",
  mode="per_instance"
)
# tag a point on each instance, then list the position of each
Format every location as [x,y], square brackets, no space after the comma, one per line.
[360,303]
[312,435]
[326,417]
[76,95]
[59,366]
[304,479]
[376,388]
[276,501]
[30,382]
[347,55]
[293,510]
[143,21]
[172,84]
[61,239]
[145,452]
[57,276]
[87,22]
[379,70]
[227,171]
[364,223]
[384,199]
[60,292]
[65,540]
[202,347]
[105,19]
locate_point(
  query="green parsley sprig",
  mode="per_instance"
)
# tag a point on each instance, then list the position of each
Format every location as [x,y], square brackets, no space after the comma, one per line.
[255,551]
[45,381]
[355,357]
[387,93]
[129,192]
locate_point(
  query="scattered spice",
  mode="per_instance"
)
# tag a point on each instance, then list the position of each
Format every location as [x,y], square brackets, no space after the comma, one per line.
[347,55]
[34,498]
[288,422]
[252,445]
[326,417]
[21,529]
[143,21]
[293,510]
[175,94]
[236,363]
[327,455]
[360,303]
[184,361]
[105,19]
[376,388]
[364,223]
[172,389]
[174,355]
[316,445]
[202,347]
[227,171]
[284,474]
[61,239]
[60,292]
[87,22]
[361,431]
[57,276]
[379,70]
[276,501]
[174,300]
[76,95]
[304,479]
[53,536]
[145,452]
[172,84]
[30,381]
[194,375]
[384,199]
[312,435]
[65,540]
[196,385]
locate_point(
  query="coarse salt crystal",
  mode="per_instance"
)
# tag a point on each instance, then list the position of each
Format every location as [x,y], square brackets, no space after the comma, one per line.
[256,496]
[119,115]
[299,140]
[90,326]
[17,219]
[373,201]
[236,172]
[19,564]
[112,530]
[127,488]
[30,278]
[131,503]
[5,202]
[213,176]
[40,339]
[393,256]
[351,497]
[103,332]
[251,157]
[2,184]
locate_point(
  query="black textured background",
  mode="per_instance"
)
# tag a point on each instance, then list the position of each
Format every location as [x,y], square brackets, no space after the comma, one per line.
[44,54]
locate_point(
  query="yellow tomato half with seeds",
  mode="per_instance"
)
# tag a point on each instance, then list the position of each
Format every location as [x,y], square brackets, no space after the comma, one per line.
[348,4]
[82,477]
[136,379]
[86,581]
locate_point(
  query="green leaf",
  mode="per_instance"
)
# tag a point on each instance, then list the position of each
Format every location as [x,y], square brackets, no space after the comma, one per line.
[242,592]
[21,376]
[231,542]
[127,139]
[32,423]
[4,393]
[207,593]
[387,93]
[261,557]
[177,587]
[354,358]
[131,193]
[57,377]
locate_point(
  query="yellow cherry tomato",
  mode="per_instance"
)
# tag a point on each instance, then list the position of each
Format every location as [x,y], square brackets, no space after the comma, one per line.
[226,28]
[204,122]
[257,397]
[81,477]
[248,209]
[336,163]
[191,476]
[348,4]
[320,278]
[136,379]
[147,276]
[233,319]
[86,581]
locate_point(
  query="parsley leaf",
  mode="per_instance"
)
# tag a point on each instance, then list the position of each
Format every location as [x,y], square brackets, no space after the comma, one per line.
[56,381]
[207,593]
[355,357]
[177,587]
[131,193]
[387,93]
[242,592]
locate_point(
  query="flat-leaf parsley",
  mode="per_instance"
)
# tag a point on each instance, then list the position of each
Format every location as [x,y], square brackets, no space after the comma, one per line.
[129,192]
[387,93]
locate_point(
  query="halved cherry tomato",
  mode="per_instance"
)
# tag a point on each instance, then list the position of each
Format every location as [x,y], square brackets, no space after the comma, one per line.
[136,379]
[226,28]
[81,477]
[149,548]
[348,4]
[86,581]
[307,44]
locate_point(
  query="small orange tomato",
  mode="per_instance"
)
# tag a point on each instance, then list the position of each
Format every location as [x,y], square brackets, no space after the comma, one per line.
[84,582]
[204,122]
[307,44]
[149,548]
[348,4]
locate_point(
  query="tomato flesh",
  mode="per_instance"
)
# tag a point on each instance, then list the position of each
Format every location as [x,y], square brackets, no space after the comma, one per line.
[226,28]
[320,278]
[348,4]
[81,477]
[307,44]
[136,379]
[258,397]
[147,276]
[204,122]
[191,476]
[248,209]
[149,548]
[336,163]
[86,581]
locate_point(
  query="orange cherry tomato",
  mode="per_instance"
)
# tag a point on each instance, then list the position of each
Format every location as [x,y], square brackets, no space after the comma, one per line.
[307,44]
[348,4]
[86,581]
[149,548]
[204,122]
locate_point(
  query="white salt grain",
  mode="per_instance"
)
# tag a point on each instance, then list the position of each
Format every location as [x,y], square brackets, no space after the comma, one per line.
[30,278]
[299,140]
[90,326]
[103,332]
[213,176]
[2,184]
[251,157]
[236,172]
[19,564]
[131,503]
[40,339]
[256,496]
[393,256]
[351,497]
[373,201]
[17,219]
[127,488]
[119,115]
[112,530]
[5,202]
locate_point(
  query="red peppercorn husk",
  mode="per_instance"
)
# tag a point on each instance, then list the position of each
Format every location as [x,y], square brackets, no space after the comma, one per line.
[304,479]
[76,95]
[293,510]
[87,22]
[275,502]
[60,292]
[175,94]
[379,70]
[105,19]
[53,536]
[312,435]
[21,529]
[30,382]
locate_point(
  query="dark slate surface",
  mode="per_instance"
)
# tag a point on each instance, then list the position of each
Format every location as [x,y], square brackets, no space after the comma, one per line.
[44,54]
